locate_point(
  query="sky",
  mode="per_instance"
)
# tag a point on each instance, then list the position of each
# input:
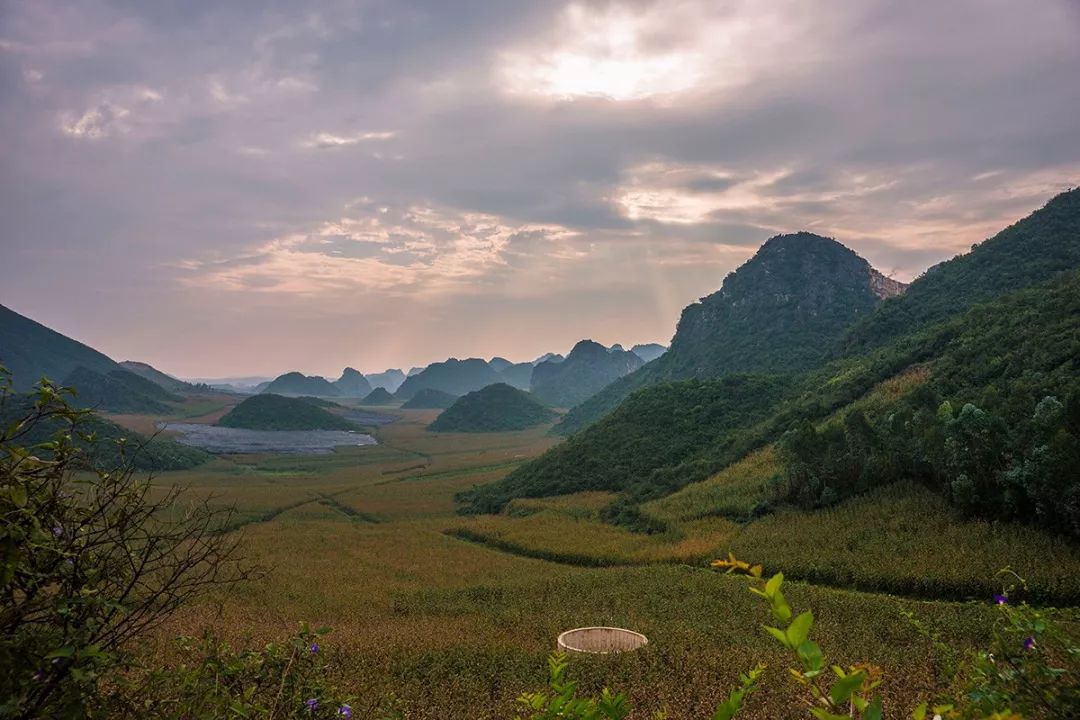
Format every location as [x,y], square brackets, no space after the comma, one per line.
[246,188]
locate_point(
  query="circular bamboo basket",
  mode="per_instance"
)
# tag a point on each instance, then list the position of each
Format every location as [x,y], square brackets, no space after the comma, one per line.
[601,640]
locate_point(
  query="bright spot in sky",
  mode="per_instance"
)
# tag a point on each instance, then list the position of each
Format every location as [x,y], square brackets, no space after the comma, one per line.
[601,54]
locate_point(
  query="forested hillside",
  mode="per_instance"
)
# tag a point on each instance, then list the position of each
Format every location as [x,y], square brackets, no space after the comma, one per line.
[991,423]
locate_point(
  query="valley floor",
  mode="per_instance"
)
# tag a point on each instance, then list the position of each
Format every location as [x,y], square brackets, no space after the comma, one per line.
[439,616]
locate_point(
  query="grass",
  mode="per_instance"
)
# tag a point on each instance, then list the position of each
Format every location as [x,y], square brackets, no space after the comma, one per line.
[904,539]
[431,625]
[734,492]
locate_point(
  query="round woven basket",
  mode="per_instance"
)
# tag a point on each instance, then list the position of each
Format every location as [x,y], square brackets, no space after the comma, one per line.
[601,640]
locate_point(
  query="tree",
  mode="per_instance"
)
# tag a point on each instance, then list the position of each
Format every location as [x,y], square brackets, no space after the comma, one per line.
[90,557]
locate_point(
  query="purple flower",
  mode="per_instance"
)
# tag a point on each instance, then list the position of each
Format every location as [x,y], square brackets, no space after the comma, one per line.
[1001,599]
[314,648]
[345,711]
[57,531]
[1029,643]
[311,704]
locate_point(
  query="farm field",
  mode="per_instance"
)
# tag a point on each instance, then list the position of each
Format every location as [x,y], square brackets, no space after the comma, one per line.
[441,616]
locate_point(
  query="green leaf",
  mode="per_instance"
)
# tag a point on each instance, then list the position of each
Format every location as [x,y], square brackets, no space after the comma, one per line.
[18,495]
[780,609]
[842,689]
[799,629]
[64,652]
[774,583]
[826,715]
[778,634]
[810,654]
[919,713]
[874,711]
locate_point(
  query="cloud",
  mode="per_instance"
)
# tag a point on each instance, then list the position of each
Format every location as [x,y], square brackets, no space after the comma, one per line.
[520,173]
[393,251]
[325,140]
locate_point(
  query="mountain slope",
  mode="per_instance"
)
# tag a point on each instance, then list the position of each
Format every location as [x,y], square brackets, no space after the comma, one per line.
[494,408]
[276,412]
[782,311]
[984,406]
[649,351]
[586,370]
[453,376]
[352,383]
[156,454]
[149,372]
[29,350]
[518,374]
[118,391]
[1028,252]
[378,396]
[656,428]
[390,379]
[295,383]
[430,399]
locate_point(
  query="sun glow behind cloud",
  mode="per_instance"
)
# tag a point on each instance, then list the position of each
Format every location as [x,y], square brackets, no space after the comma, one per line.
[625,53]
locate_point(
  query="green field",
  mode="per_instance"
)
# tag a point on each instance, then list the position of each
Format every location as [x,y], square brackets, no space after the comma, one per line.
[441,616]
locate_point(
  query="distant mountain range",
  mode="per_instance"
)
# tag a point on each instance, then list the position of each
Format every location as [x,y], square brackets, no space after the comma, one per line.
[586,370]
[390,380]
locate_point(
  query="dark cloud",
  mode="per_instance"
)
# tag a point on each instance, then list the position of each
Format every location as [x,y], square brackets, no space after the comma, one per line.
[519,162]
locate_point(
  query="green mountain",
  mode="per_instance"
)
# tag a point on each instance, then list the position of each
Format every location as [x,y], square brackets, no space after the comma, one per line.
[586,370]
[168,382]
[389,379]
[453,376]
[295,383]
[495,408]
[518,374]
[379,396]
[782,311]
[118,391]
[319,402]
[1028,252]
[649,351]
[983,405]
[652,430]
[430,399]
[352,384]
[276,412]
[30,351]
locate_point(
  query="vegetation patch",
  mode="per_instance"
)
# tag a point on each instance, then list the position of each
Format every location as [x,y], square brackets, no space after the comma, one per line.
[495,408]
[275,412]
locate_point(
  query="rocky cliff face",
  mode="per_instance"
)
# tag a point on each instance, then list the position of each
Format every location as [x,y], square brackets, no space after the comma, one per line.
[781,311]
[885,287]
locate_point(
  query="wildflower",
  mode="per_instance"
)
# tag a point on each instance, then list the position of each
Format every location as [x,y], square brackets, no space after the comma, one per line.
[1001,599]
[1029,643]
[314,648]
[345,711]
[312,704]
[57,531]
